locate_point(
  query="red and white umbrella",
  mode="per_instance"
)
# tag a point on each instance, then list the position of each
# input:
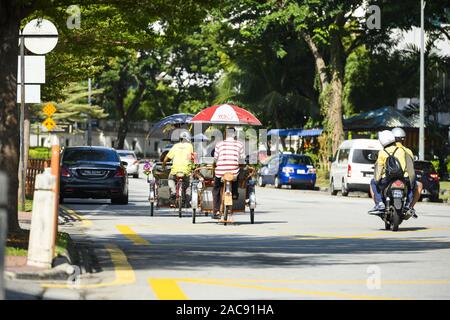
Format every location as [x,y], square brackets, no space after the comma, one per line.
[226,114]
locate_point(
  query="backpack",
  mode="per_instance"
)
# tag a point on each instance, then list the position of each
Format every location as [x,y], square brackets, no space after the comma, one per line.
[393,168]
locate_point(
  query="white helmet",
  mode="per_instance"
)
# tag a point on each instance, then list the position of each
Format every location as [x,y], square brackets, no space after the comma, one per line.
[399,134]
[386,137]
[185,136]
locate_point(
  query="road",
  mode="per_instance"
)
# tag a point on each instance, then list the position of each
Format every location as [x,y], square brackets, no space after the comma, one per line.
[303,245]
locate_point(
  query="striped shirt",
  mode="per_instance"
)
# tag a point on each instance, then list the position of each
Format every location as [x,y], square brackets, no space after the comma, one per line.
[227,155]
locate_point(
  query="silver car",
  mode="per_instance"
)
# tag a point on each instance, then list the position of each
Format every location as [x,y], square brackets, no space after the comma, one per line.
[132,162]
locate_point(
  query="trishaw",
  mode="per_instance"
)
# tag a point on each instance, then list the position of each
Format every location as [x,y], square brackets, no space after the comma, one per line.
[202,196]
[159,192]
[203,176]
[157,177]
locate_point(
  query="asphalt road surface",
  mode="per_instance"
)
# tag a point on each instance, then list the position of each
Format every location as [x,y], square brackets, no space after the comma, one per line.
[303,245]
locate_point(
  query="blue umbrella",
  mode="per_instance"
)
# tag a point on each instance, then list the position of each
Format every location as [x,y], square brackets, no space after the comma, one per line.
[163,128]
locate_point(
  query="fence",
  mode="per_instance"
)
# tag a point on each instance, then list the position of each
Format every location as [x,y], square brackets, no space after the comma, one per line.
[35,166]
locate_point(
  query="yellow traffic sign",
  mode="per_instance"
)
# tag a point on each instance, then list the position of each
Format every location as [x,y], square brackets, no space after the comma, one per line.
[49,109]
[49,123]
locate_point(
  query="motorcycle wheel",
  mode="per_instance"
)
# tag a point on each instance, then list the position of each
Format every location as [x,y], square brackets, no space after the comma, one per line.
[193,215]
[395,220]
[152,208]
[252,216]
[387,225]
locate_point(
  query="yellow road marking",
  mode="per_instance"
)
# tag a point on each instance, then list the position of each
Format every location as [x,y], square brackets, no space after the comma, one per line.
[167,289]
[86,222]
[330,281]
[124,274]
[132,235]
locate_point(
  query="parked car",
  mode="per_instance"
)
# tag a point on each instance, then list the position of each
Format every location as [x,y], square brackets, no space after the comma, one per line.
[93,172]
[132,162]
[427,174]
[353,165]
[288,169]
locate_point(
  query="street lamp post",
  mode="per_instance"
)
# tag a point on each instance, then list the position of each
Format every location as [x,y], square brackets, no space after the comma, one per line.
[422,83]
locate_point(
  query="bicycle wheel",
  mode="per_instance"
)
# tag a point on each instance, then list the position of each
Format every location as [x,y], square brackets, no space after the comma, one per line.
[180,199]
[225,215]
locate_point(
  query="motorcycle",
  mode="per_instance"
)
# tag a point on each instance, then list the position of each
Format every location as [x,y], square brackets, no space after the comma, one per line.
[395,197]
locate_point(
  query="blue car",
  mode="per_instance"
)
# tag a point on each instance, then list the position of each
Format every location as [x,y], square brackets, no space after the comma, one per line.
[288,169]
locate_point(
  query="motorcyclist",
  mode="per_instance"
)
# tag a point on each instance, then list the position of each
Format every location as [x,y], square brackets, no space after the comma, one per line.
[380,180]
[400,136]
[181,155]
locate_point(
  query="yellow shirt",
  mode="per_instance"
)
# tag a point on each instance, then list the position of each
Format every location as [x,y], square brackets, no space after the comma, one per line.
[402,154]
[181,155]
[408,151]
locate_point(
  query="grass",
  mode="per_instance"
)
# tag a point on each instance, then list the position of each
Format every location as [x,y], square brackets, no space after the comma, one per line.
[18,245]
[445,185]
[28,205]
[16,252]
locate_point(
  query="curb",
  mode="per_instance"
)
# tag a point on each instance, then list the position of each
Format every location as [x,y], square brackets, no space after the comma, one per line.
[63,266]
[60,272]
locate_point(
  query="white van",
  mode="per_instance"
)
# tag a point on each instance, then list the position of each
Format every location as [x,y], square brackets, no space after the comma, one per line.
[353,166]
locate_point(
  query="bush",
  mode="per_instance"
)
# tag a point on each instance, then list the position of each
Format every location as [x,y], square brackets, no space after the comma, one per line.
[39,153]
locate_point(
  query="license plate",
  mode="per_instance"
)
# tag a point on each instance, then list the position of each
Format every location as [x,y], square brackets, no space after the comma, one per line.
[301,171]
[397,193]
[93,172]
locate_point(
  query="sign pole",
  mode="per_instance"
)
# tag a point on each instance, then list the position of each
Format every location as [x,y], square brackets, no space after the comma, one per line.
[89,124]
[22,173]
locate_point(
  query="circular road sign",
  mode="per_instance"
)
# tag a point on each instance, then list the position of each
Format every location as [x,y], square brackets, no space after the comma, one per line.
[42,36]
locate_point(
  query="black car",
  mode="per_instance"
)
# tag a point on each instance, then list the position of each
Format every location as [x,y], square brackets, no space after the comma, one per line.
[426,173]
[93,172]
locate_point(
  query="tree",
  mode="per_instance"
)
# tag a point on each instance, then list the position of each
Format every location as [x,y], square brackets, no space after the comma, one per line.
[108,27]
[264,75]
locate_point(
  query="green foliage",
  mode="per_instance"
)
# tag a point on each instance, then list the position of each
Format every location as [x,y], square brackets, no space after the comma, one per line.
[73,105]
[39,153]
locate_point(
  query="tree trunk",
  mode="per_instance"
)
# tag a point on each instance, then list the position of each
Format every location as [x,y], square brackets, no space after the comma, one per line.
[334,114]
[122,134]
[334,117]
[9,123]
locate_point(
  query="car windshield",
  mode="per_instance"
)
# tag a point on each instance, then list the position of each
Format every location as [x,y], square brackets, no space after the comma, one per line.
[300,161]
[424,166]
[365,156]
[126,155]
[76,155]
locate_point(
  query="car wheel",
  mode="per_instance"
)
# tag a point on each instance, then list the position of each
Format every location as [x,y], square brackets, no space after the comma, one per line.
[122,200]
[332,190]
[260,182]
[344,189]
[277,183]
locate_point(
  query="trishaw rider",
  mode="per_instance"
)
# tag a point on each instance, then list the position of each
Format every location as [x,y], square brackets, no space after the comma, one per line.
[181,155]
[228,157]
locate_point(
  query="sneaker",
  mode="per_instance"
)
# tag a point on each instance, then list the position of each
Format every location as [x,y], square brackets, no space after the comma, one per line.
[216,215]
[412,212]
[378,209]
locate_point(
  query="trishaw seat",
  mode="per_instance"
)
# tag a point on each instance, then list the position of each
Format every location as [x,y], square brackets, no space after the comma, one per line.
[228,176]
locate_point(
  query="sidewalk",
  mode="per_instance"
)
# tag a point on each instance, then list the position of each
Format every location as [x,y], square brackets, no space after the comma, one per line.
[16,266]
